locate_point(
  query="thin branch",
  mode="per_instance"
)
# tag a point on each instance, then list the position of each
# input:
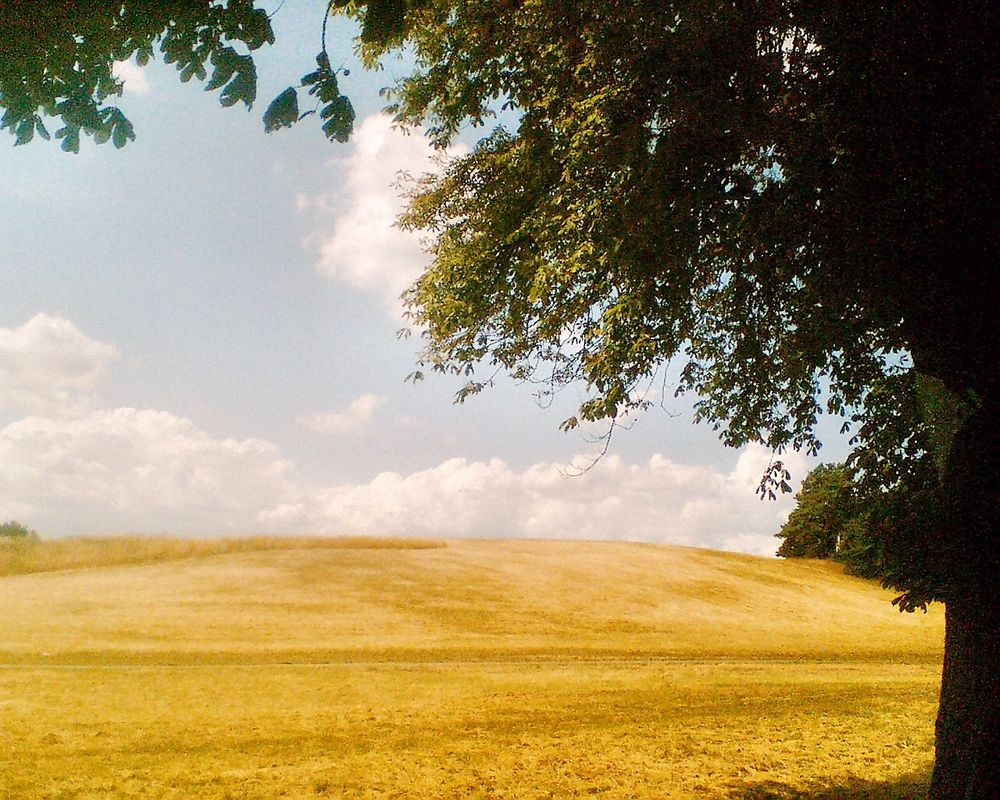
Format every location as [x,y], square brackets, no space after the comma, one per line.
[322,39]
[578,471]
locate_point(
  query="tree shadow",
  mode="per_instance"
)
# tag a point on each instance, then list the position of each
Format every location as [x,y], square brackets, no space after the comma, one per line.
[912,786]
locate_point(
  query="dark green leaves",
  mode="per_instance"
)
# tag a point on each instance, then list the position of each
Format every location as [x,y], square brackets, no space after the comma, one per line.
[225,62]
[384,22]
[243,87]
[70,136]
[283,111]
[825,508]
[25,131]
[236,73]
[339,116]
[116,127]
[58,61]
[334,108]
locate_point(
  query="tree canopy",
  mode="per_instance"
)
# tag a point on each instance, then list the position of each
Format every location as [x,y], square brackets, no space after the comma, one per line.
[795,202]
[823,511]
[57,64]
[16,531]
[786,201]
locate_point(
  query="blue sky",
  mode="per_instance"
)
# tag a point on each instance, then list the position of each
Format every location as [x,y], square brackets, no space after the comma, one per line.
[198,335]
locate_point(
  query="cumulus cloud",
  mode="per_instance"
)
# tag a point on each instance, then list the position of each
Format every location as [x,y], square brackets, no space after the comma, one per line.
[658,501]
[133,77]
[128,469]
[364,249]
[357,415]
[49,367]
[71,467]
[145,470]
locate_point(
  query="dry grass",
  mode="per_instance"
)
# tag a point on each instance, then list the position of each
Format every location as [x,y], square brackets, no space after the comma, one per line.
[516,731]
[486,600]
[473,670]
[20,557]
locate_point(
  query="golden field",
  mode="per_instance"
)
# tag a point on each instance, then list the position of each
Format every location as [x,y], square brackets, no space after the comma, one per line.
[170,668]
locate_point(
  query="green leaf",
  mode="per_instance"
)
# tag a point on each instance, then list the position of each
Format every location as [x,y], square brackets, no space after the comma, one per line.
[71,141]
[283,111]
[340,119]
[25,132]
[41,129]
[225,61]
[242,88]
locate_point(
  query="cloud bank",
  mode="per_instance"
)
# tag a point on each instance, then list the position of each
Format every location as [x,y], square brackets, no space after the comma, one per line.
[657,501]
[133,77]
[137,470]
[70,467]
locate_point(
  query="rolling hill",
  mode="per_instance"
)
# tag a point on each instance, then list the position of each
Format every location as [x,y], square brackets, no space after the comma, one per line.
[373,600]
[149,669]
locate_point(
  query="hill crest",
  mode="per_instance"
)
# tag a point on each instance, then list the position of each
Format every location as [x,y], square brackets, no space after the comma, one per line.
[458,599]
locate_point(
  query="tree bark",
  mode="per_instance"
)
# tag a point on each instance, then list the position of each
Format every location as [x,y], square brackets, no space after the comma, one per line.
[967,764]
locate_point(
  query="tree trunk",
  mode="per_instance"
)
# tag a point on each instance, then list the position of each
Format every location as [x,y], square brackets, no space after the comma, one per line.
[967,765]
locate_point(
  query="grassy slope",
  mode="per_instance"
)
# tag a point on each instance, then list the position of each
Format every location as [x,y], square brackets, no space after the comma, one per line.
[480,599]
[165,680]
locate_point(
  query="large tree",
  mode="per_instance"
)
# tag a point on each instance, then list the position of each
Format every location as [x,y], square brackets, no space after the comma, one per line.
[793,201]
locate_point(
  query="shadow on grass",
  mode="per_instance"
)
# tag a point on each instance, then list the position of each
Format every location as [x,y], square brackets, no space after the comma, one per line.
[912,786]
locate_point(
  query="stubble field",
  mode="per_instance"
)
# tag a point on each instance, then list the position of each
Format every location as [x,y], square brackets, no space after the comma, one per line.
[337,668]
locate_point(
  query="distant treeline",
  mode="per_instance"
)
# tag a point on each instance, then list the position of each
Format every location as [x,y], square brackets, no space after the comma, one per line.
[828,522]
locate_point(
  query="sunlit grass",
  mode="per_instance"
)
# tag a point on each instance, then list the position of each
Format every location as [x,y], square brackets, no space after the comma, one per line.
[474,670]
[464,730]
[23,556]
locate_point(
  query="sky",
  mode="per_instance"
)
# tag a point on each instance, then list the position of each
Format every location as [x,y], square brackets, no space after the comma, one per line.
[198,336]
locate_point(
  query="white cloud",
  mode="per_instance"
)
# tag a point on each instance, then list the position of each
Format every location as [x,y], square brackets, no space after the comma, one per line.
[133,77]
[358,414]
[364,249]
[659,501]
[148,471]
[70,469]
[49,367]
[126,469]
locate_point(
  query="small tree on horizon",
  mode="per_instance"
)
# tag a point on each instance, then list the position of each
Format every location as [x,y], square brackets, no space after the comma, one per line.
[15,530]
